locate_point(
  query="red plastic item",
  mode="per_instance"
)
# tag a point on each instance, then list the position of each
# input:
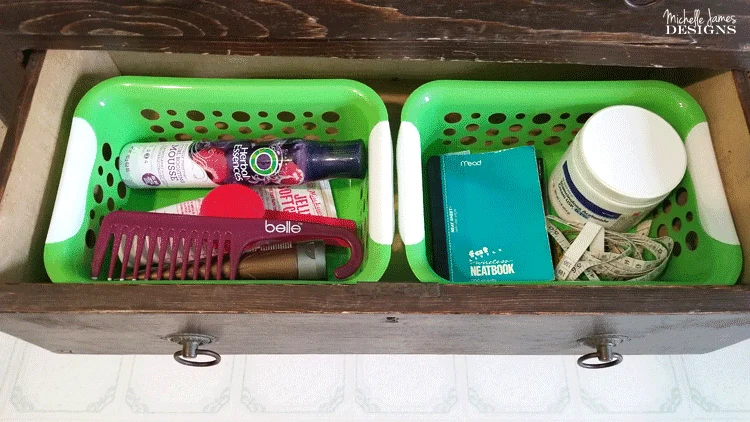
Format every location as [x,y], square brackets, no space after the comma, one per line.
[234,201]
[239,201]
[206,233]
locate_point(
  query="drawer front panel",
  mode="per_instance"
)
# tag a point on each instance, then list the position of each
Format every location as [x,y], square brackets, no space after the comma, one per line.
[106,333]
[633,32]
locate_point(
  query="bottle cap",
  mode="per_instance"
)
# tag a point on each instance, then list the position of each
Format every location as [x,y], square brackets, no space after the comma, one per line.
[633,153]
[311,261]
[337,160]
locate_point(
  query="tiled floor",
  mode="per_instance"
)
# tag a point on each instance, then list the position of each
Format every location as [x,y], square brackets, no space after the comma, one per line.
[38,386]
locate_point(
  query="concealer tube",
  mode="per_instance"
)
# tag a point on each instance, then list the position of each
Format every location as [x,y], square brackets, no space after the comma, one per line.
[302,261]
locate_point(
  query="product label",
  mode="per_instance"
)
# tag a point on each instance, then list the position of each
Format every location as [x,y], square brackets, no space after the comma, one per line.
[208,164]
[310,199]
[264,161]
[162,165]
[494,231]
[248,162]
[571,204]
[151,180]
[287,227]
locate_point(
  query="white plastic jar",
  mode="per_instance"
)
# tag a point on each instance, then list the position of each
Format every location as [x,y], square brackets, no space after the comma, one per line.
[622,163]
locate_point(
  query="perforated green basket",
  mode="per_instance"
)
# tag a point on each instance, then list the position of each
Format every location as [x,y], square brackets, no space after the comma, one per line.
[130,109]
[449,116]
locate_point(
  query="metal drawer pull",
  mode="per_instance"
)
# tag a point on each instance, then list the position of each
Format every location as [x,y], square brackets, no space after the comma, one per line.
[190,343]
[603,344]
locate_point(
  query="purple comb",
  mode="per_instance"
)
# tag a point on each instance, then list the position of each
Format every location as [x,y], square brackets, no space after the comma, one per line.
[205,234]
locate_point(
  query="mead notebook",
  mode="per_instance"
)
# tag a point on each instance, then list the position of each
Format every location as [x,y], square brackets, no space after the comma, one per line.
[487,217]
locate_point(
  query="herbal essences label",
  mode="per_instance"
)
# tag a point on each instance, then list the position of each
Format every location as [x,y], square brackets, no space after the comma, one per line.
[208,164]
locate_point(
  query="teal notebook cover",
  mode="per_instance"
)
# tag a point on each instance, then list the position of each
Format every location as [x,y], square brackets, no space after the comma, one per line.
[494,217]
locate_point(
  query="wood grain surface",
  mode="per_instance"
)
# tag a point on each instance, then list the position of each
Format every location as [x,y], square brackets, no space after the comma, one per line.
[21,103]
[742,82]
[414,298]
[11,67]
[375,318]
[274,333]
[576,31]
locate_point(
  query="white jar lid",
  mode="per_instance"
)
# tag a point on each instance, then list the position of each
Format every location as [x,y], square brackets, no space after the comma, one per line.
[633,152]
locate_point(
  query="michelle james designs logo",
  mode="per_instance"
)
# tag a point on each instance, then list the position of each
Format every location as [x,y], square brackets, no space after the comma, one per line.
[696,22]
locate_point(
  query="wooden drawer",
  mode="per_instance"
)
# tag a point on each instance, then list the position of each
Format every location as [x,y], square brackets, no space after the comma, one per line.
[397,315]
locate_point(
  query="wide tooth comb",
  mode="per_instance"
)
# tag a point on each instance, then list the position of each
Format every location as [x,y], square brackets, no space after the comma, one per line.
[198,234]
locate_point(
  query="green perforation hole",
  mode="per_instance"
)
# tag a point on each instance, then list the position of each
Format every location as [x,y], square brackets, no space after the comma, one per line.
[240,116]
[98,193]
[122,190]
[666,206]
[510,140]
[681,196]
[453,117]
[468,140]
[676,224]
[497,118]
[541,118]
[106,151]
[677,249]
[582,118]
[90,238]
[331,117]
[287,116]
[195,115]
[552,140]
[691,241]
[150,114]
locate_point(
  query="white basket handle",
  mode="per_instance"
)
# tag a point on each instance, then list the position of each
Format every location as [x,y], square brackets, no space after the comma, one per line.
[713,208]
[70,203]
[380,190]
[410,195]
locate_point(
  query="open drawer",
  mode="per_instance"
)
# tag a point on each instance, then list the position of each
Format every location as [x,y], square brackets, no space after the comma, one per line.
[396,315]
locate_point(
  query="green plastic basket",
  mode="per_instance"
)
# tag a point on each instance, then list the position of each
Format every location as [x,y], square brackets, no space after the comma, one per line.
[148,109]
[449,116]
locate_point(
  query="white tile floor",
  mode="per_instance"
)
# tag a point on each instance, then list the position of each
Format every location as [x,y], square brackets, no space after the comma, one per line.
[38,385]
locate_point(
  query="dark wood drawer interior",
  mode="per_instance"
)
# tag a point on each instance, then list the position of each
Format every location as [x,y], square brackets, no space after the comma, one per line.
[507,319]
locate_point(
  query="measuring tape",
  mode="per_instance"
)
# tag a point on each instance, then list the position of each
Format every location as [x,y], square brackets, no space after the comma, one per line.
[601,254]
